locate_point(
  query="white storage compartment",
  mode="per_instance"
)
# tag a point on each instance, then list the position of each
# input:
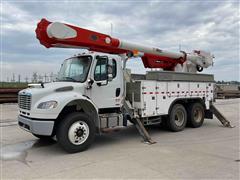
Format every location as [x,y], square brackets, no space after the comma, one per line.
[149,98]
[154,97]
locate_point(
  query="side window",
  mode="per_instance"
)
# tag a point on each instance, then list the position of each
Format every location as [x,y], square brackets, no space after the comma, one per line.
[100,72]
[114,67]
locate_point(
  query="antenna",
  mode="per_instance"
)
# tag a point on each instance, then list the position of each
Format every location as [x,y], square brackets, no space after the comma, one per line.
[111,29]
[180,47]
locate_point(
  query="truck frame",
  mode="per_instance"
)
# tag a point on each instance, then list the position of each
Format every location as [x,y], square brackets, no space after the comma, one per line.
[96,93]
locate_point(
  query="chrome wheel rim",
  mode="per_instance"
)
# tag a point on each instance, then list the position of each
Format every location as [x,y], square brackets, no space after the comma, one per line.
[78,132]
[179,118]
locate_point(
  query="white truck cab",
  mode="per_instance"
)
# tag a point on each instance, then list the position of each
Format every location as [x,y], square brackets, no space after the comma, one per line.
[90,83]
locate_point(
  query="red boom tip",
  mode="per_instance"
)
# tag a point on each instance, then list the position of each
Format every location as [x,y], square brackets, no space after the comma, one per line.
[41,33]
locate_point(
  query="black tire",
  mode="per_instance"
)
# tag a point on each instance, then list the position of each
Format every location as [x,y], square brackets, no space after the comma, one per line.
[163,124]
[196,115]
[177,118]
[67,125]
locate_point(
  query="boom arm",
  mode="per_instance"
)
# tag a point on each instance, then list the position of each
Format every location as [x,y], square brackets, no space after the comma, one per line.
[55,34]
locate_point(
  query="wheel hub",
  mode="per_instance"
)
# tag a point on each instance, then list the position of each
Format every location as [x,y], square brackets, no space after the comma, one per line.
[78,132]
[197,115]
[179,118]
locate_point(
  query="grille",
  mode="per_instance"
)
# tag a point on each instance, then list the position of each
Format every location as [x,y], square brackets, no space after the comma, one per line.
[24,101]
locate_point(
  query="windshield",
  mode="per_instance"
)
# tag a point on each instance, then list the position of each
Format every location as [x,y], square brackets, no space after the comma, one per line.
[75,69]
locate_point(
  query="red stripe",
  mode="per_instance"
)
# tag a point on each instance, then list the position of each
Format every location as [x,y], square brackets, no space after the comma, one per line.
[151,93]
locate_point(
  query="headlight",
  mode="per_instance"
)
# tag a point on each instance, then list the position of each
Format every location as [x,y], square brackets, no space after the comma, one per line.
[47,105]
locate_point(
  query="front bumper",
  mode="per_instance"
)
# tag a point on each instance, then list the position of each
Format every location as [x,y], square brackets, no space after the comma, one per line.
[39,127]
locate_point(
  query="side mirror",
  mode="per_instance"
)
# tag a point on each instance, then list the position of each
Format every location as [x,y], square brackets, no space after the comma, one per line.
[90,83]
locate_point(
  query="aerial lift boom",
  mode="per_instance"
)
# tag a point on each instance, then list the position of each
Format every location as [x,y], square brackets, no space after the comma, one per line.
[56,34]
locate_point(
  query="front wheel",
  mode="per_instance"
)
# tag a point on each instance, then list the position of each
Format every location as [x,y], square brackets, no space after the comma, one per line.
[177,118]
[76,132]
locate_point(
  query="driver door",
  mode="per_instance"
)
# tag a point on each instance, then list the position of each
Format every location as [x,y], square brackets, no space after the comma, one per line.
[103,91]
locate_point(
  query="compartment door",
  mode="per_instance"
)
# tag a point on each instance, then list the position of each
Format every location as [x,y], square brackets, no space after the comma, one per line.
[149,98]
[161,92]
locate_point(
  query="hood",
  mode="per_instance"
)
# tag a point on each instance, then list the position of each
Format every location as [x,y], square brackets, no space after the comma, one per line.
[37,92]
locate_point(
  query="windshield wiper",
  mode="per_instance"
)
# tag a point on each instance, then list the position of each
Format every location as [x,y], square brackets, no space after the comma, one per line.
[69,78]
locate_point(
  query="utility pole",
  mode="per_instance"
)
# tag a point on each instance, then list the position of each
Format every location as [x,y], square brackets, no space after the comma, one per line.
[34,79]
[45,77]
[51,77]
[19,78]
[180,47]
[40,78]
[26,79]
[13,78]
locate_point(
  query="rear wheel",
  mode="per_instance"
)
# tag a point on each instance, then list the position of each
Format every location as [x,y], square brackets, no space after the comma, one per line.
[195,115]
[76,132]
[177,118]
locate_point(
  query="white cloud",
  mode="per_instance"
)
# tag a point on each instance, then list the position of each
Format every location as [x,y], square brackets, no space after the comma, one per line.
[15,19]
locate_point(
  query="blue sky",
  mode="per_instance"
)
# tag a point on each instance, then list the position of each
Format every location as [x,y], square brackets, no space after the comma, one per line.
[208,25]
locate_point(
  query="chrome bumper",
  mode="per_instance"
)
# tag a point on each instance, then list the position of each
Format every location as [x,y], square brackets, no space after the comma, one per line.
[36,127]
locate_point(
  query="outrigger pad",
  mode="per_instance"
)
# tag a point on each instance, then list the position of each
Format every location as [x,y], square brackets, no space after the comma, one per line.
[220,117]
[143,132]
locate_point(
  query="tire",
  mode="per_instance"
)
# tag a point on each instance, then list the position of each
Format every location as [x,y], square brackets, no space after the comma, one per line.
[196,115]
[76,132]
[177,118]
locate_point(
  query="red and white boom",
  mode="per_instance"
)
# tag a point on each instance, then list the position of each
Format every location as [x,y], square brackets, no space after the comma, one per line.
[55,34]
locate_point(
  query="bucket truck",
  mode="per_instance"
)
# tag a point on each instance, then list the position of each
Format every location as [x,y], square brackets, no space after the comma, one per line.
[95,92]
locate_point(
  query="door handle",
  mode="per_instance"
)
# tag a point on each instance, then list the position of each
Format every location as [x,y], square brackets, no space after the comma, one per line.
[118,90]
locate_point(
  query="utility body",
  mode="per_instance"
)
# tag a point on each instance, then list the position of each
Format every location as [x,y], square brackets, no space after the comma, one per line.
[95,92]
